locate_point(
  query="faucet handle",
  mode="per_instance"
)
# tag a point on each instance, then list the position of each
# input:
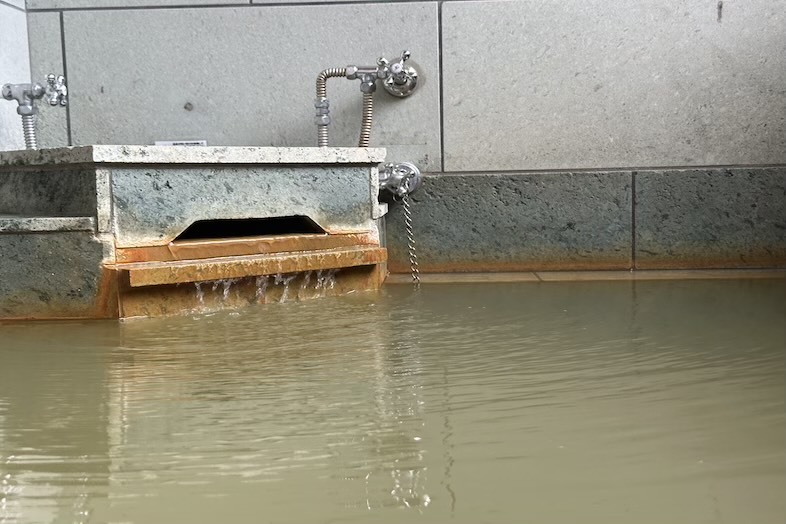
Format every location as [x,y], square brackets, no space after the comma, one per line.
[57,90]
[403,78]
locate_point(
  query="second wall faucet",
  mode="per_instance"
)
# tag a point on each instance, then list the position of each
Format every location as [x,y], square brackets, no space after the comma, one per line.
[398,79]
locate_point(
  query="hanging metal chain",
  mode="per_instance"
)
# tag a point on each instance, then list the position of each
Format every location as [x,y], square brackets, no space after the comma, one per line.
[413,257]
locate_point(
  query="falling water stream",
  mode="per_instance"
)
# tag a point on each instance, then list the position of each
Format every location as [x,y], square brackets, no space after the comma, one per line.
[601,402]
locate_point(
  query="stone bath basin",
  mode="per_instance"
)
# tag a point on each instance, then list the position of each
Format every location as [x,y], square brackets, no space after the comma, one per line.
[119,231]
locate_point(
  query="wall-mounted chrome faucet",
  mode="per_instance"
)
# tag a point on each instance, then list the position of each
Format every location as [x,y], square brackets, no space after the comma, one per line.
[399,179]
[398,79]
[26,95]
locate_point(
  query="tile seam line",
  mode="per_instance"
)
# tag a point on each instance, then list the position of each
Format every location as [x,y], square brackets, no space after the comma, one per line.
[12,6]
[234,5]
[440,76]
[69,136]
[603,169]
[633,220]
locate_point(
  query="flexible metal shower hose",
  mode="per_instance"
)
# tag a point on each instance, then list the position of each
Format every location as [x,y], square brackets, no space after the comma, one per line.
[323,138]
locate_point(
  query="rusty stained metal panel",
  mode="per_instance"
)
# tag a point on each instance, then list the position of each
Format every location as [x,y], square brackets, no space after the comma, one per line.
[201,249]
[227,294]
[160,273]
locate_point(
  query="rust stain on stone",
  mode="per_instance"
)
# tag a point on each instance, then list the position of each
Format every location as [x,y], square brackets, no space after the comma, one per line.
[201,249]
[182,271]
[494,266]
[758,259]
[175,299]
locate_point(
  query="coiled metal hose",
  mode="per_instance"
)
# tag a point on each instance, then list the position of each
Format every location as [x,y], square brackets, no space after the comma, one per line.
[366,119]
[322,130]
[28,128]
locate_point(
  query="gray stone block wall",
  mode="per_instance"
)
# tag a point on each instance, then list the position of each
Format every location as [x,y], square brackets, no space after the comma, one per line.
[566,93]
[516,222]
[707,218]
[648,219]
[52,274]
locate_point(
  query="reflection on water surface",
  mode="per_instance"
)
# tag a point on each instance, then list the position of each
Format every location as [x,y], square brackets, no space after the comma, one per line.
[582,402]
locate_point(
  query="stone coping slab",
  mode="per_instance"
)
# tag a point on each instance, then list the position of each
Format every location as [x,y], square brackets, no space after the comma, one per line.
[134,154]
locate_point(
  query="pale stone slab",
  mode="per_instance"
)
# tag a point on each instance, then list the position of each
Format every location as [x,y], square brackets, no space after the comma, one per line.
[87,4]
[245,76]
[597,84]
[129,154]
[14,68]
[46,56]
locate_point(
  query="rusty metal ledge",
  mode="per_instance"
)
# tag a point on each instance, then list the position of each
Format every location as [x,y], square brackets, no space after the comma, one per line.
[159,273]
[227,247]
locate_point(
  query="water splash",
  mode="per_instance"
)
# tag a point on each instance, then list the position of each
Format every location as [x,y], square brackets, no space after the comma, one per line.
[306,280]
[200,294]
[330,278]
[261,288]
[285,280]
[227,284]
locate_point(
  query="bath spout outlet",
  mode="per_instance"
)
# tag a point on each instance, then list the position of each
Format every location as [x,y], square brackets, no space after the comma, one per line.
[400,180]
[26,95]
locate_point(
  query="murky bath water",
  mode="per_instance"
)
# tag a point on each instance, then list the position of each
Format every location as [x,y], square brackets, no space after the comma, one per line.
[550,403]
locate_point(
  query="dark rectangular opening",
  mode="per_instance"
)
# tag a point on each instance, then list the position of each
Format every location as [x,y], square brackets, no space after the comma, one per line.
[250,227]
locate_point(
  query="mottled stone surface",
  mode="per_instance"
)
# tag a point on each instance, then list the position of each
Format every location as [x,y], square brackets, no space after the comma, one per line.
[711,218]
[58,192]
[597,84]
[52,275]
[152,206]
[46,56]
[245,75]
[20,224]
[130,154]
[517,222]
[14,68]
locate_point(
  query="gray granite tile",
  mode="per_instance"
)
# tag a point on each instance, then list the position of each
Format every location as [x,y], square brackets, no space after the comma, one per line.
[46,56]
[51,275]
[517,222]
[14,68]
[711,218]
[153,206]
[245,76]
[590,83]
[86,4]
[48,193]
[16,3]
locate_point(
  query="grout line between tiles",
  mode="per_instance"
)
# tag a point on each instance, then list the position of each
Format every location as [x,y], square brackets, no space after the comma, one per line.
[65,74]
[441,88]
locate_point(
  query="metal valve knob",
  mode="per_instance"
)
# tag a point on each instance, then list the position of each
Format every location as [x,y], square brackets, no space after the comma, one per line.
[402,78]
[56,90]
